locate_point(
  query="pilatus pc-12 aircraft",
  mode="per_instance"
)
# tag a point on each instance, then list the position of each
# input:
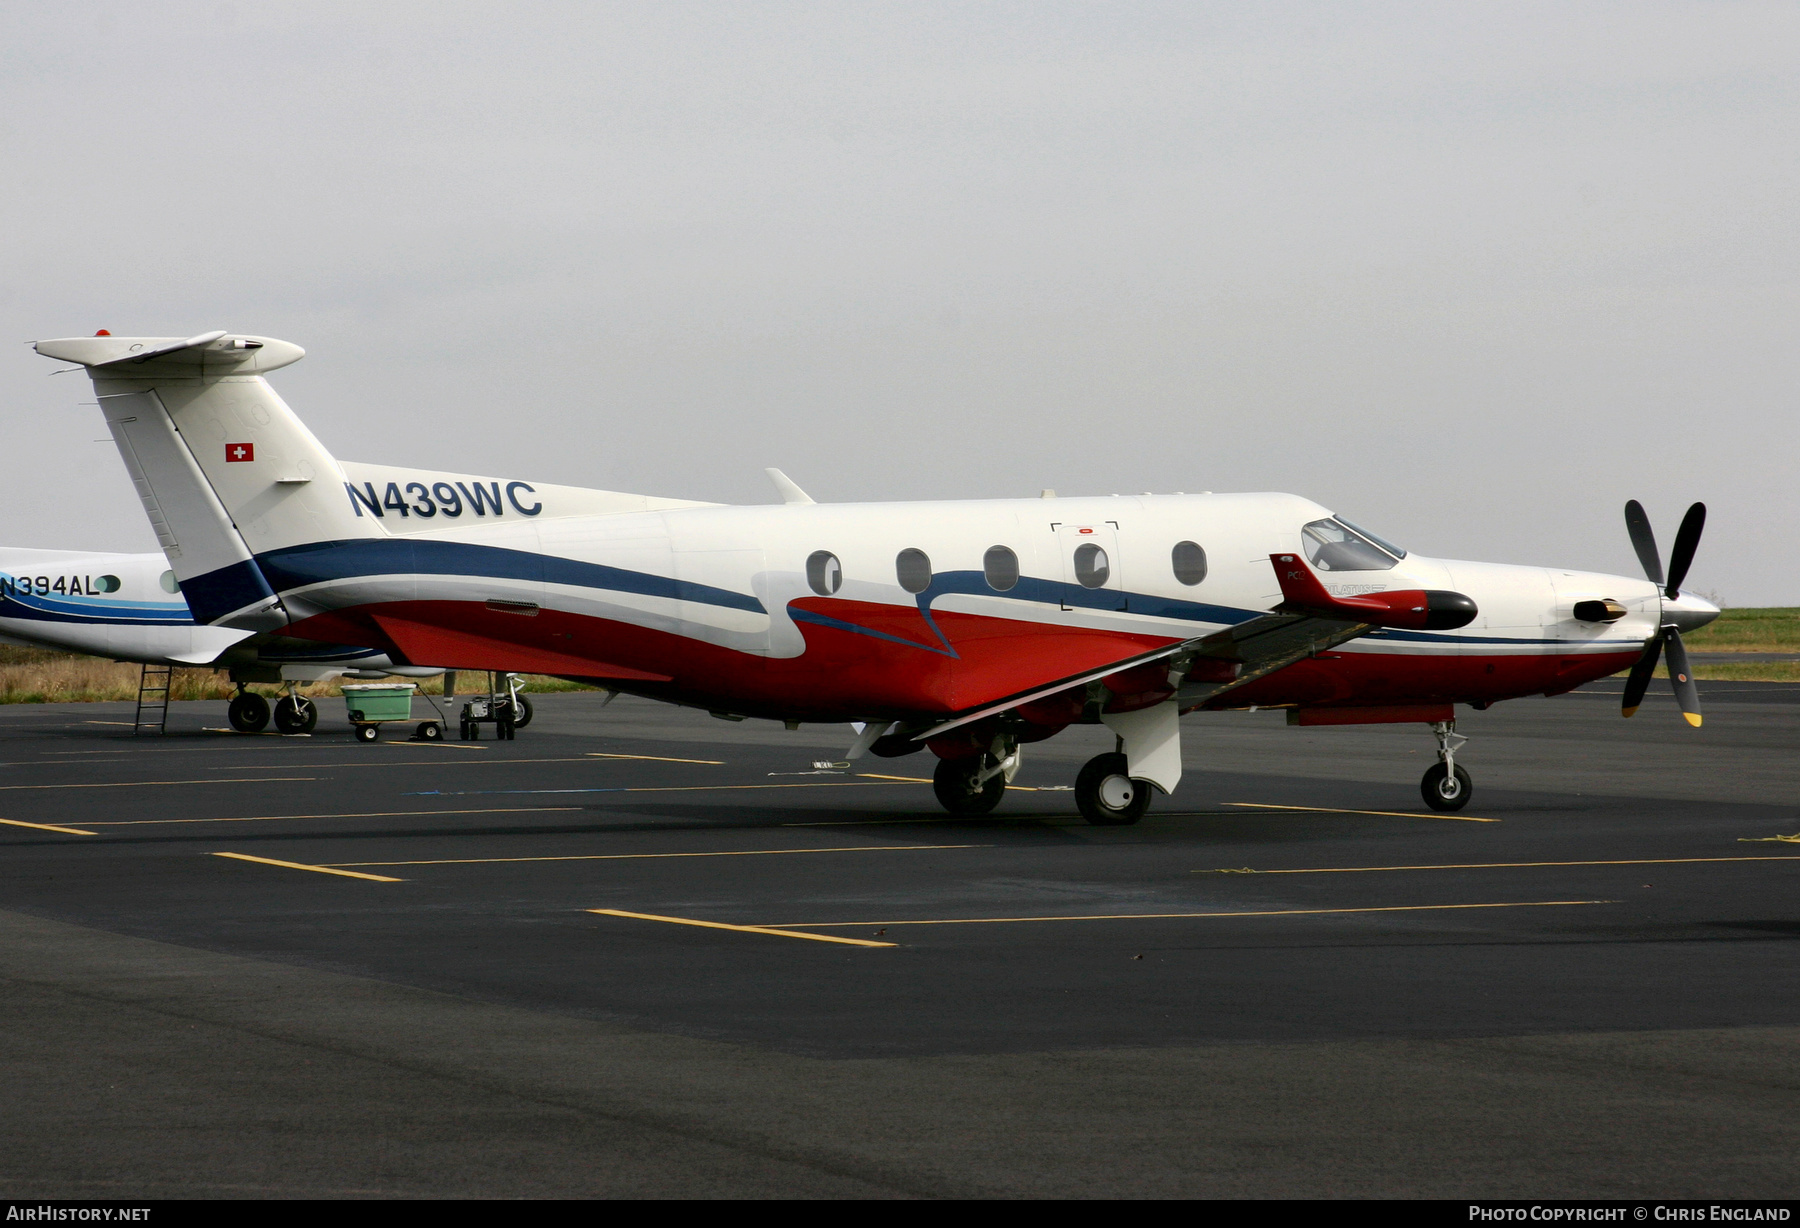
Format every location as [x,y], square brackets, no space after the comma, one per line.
[969,628]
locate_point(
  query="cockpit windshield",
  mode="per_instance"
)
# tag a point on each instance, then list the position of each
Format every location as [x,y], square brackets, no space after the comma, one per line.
[1338,545]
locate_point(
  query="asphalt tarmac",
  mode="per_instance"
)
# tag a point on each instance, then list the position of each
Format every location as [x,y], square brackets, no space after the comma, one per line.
[643,952]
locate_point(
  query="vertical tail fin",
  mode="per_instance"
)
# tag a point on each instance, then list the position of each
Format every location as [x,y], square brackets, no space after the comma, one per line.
[225,470]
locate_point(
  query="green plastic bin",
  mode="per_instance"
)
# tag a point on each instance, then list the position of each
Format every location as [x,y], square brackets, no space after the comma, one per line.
[379,701]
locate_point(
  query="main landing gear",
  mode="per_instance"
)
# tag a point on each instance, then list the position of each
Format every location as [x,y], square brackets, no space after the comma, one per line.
[249,712]
[975,785]
[1447,786]
[294,713]
[1107,795]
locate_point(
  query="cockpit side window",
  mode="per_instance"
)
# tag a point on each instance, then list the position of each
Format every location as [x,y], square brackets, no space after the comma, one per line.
[1337,545]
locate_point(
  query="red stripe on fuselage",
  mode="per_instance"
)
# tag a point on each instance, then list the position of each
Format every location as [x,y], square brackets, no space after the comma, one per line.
[844,675]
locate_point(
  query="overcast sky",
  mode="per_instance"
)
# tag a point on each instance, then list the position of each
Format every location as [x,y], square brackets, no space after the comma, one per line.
[1472,275]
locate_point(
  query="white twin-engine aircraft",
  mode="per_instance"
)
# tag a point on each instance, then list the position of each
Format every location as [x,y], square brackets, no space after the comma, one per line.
[970,628]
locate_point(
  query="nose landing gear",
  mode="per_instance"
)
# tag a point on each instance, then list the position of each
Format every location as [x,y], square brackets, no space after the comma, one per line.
[1447,786]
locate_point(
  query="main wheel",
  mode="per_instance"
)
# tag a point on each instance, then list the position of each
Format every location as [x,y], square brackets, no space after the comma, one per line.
[954,784]
[248,713]
[1442,791]
[521,712]
[1107,796]
[296,714]
[367,733]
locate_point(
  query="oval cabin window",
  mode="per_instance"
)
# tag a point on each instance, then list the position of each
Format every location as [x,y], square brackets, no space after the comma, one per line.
[1001,567]
[1190,562]
[107,584]
[824,574]
[913,569]
[1091,566]
[169,583]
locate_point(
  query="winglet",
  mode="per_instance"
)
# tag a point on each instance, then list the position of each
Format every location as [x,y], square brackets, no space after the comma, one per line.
[786,487]
[1413,609]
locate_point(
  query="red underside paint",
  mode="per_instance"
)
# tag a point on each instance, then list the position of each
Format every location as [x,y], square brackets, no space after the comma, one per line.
[460,650]
[848,676]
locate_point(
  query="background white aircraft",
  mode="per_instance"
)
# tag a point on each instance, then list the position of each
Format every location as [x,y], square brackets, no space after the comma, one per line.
[968,627]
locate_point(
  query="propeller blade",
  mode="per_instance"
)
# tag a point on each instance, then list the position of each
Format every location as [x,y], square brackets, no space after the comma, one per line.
[1639,679]
[1686,693]
[1687,539]
[1643,541]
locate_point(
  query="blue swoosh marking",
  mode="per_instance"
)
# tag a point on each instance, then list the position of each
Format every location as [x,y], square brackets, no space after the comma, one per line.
[323,562]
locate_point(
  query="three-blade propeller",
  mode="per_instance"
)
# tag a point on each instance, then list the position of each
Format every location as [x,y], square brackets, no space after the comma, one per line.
[1668,636]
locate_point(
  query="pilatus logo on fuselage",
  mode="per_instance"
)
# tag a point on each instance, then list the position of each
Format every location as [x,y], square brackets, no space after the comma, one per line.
[442,498]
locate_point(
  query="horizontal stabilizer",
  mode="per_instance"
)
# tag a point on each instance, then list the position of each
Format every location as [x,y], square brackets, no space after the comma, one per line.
[217,352]
[424,644]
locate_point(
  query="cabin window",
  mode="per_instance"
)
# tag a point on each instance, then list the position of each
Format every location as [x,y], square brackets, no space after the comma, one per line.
[1189,562]
[1337,545]
[913,569]
[1001,567]
[106,584]
[169,583]
[824,574]
[1091,565]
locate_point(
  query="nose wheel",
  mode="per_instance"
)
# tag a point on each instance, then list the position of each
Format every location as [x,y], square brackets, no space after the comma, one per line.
[1445,785]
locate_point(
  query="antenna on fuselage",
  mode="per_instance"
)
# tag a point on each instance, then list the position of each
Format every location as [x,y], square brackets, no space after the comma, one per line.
[787,488]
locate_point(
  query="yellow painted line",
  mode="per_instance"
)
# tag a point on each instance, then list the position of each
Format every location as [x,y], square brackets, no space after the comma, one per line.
[1793,839]
[1163,916]
[1509,865]
[128,724]
[250,767]
[1398,814]
[745,929]
[911,780]
[595,754]
[72,831]
[372,814]
[295,865]
[131,784]
[470,861]
[821,784]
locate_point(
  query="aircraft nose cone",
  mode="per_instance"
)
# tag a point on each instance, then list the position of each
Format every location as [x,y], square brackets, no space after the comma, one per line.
[1688,612]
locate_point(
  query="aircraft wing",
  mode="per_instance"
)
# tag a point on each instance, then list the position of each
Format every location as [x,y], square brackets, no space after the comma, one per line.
[1309,620]
[1243,653]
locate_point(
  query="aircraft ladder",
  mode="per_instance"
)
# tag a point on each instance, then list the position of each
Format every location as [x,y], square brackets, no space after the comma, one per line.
[153,699]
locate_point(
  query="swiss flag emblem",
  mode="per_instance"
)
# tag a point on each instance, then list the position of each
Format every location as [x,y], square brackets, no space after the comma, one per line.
[240,451]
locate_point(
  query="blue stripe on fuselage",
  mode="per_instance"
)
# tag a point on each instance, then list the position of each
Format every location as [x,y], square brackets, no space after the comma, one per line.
[327,562]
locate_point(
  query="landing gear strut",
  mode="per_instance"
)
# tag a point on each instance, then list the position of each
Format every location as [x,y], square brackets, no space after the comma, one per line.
[249,712]
[1447,786]
[1106,793]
